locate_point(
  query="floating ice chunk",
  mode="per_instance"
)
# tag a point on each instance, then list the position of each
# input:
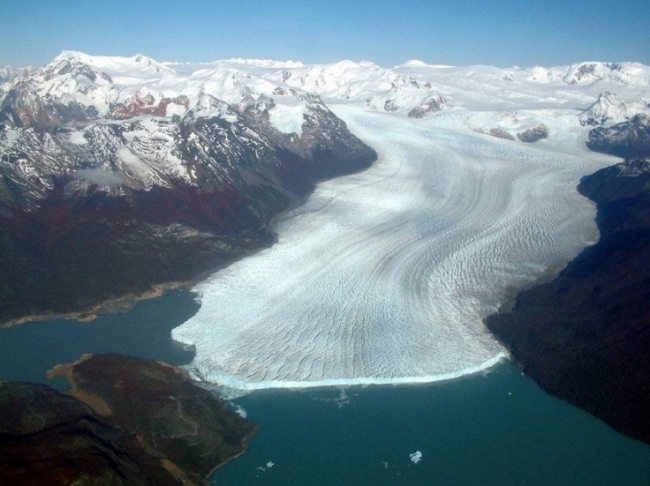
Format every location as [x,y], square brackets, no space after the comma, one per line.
[239,410]
[415,457]
[268,465]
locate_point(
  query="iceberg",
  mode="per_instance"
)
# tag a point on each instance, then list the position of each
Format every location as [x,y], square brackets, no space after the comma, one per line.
[415,457]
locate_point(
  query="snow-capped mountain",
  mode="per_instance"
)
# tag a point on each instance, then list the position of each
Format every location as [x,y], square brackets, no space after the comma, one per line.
[139,119]
[119,173]
[590,72]
[610,109]
[99,83]
[628,139]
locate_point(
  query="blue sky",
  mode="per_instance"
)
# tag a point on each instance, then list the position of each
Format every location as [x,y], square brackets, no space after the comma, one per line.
[498,32]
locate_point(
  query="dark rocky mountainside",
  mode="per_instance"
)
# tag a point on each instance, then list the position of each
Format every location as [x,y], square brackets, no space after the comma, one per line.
[141,422]
[585,336]
[103,196]
[629,139]
[50,438]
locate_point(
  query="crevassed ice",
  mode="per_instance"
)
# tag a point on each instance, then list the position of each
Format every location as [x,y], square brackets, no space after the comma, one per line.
[385,276]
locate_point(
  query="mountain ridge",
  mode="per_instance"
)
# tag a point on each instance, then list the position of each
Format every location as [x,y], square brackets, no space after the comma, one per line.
[584,336]
[171,190]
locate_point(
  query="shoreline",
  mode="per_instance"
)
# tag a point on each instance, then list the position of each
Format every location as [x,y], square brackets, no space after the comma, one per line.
[107,382]
[125,303]
[117,305]
[66,370]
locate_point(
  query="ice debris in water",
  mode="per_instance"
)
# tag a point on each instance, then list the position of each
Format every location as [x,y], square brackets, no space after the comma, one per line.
[268,465]
[239,410]
[415,457]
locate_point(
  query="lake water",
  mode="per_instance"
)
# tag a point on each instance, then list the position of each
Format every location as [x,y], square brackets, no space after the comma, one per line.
[496,428]
[29,350]
[492,428]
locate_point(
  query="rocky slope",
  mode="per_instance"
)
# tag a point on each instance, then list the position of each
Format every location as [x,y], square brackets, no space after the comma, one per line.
[105,191]
[628,139]
[51,438]
[585,336]
[129,421]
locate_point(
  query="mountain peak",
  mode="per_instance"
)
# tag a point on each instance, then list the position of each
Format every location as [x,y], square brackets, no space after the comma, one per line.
[589,72]
[611,108]
[113,64]
[70,56]
[414,63]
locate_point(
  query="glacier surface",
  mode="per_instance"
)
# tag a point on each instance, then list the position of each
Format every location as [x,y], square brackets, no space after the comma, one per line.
[385,276]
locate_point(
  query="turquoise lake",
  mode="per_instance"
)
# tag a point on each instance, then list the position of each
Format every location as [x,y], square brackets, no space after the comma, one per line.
[493,428]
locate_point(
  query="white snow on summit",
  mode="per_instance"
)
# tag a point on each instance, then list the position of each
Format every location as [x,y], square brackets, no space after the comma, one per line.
[267,63]
[611,109]
[130,67]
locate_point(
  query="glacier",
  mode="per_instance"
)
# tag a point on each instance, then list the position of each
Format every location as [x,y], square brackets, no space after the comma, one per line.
[385,276]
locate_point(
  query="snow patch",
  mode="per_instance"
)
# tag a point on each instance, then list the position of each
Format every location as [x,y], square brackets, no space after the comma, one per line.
[11,136]
[175,109]
[77,138]
[288,117]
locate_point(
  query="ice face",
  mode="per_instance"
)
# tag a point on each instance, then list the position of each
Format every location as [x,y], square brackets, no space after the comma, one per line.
[385,276]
